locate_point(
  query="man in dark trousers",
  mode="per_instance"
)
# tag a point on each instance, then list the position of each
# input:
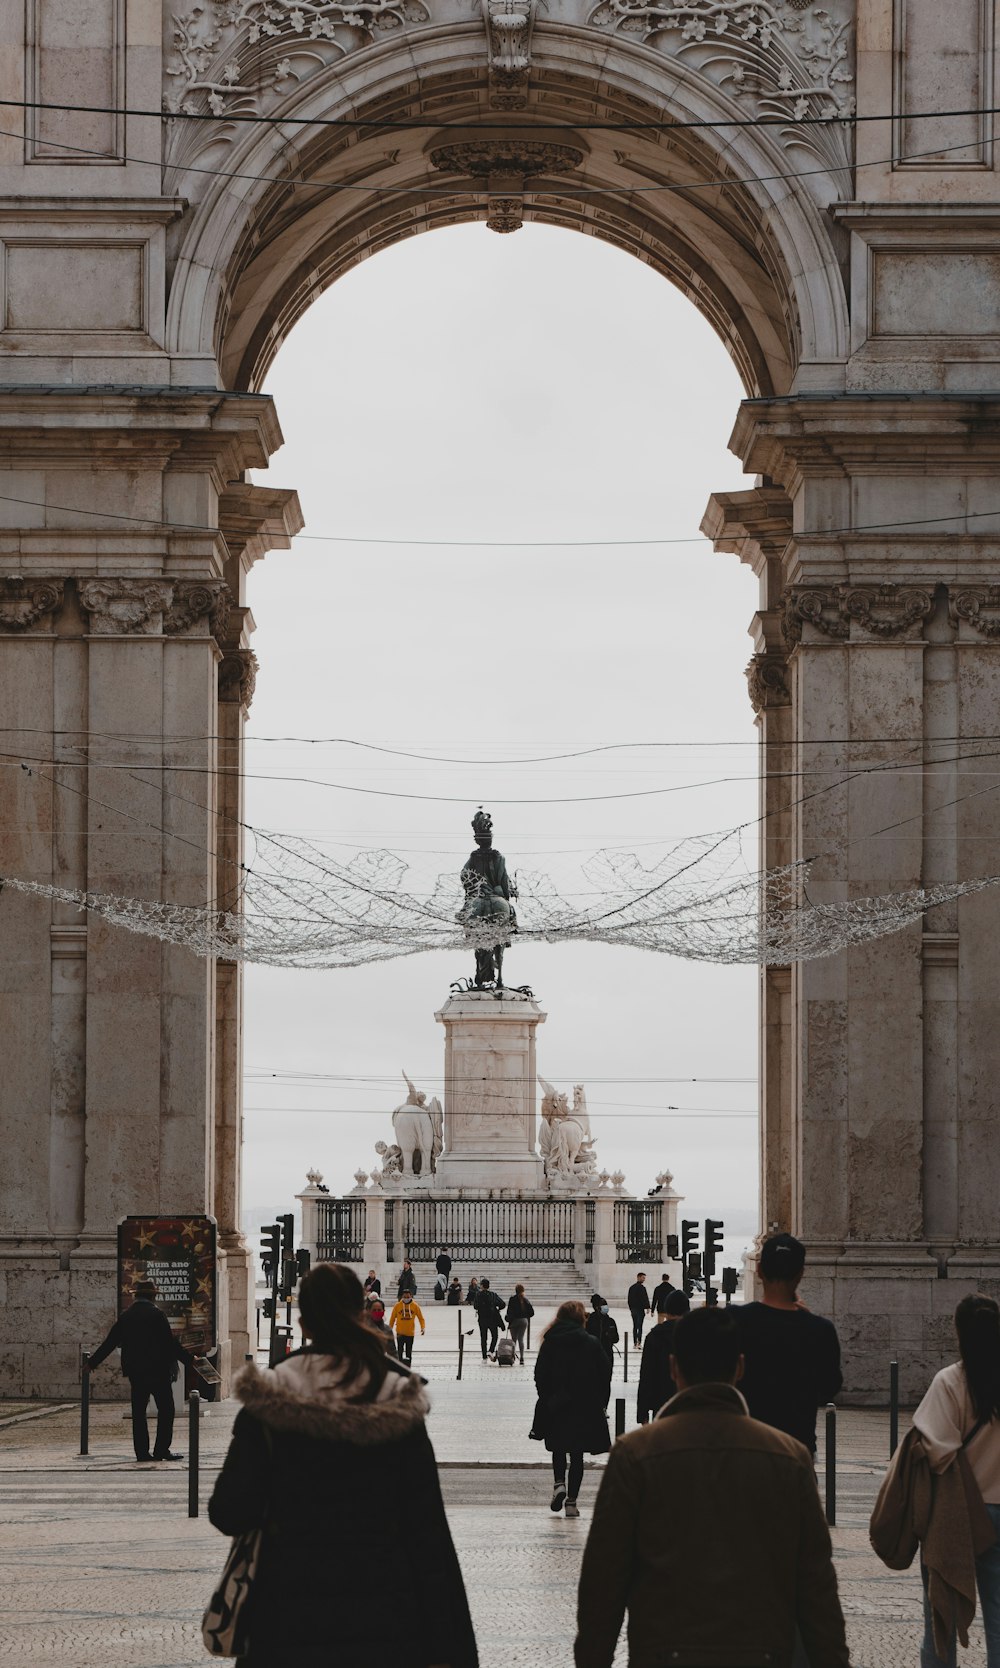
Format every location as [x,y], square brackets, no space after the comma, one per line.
[443,1264]
[656,1385]
[150,1353]
[488,1307]
[791,1357]
[638,1307]
[708,1530]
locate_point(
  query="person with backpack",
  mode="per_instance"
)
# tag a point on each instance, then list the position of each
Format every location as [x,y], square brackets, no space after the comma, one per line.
[573,1381]
[958,1423]
[489,1308]
[601,1326]
[403,1321]
[519,1313]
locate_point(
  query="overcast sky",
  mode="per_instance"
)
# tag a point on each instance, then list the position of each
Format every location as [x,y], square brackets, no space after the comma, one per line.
[466,386]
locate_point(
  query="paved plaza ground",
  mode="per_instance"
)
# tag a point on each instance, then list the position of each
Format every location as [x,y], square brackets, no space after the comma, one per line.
[102,1568]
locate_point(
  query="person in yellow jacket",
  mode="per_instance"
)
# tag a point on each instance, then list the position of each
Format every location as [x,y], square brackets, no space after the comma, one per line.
[403,1322]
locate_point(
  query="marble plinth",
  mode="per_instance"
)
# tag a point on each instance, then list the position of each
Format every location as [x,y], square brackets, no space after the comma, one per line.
[490,1094]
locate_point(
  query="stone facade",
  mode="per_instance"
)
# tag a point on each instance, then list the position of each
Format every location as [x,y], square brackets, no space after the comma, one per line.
[150,270]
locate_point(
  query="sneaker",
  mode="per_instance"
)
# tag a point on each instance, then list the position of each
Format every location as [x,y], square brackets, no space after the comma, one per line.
[558,1498]
[168,1456]
[572,1509]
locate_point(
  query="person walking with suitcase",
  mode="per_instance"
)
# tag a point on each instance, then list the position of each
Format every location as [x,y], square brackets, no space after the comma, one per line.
[519,1313]
[488,1310]
[403,1321]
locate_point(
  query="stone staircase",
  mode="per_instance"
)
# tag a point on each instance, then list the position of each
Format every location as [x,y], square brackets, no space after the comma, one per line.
[546,1284]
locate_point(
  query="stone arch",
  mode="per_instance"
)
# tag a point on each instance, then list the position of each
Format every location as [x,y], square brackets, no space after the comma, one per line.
[713,209]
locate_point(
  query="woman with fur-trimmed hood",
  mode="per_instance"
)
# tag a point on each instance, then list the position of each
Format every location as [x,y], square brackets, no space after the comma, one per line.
[330,1455]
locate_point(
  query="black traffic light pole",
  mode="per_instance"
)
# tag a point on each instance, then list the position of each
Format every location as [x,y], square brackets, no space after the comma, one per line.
[689,1252]
[270,1253]
[713,1248]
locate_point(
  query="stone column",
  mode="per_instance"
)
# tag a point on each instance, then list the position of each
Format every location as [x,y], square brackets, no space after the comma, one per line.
[309,1200]
[490,1094]
[375,1248]
[606,1275]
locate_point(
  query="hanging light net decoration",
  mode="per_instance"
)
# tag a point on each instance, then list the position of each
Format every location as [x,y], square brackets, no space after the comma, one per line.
[701,901]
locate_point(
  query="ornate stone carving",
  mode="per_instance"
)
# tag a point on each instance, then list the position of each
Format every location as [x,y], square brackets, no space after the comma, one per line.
[212,37]
[822,609]
[766,682]
[193,600]
[508,32]
[887,610]
[506,165]
[117,606]
[979,606]
[883,610]
[791,58]
[23,602]
[238,676]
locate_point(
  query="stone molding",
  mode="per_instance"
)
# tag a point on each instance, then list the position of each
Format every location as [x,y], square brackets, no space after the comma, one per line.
[238,676]
[882,610]
[23,602]
[506,164]
[197,599]
[766,682]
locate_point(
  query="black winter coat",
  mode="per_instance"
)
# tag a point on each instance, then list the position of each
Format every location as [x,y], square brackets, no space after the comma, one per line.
[150,1350]
[518,1308]
[605,1330]
[573,1380]
[655,1384]
[342,1488]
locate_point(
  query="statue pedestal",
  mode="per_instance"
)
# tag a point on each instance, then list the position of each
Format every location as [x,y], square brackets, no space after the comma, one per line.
[490,1094]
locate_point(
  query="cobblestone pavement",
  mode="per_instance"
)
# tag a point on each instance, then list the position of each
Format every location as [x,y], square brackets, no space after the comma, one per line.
[101,1567]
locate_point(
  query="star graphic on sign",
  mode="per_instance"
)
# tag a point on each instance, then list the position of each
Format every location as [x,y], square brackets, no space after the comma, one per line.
[205,1285]
[144,1240]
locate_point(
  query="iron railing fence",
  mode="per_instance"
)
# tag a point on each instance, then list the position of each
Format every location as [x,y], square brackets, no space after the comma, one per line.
[588,1237]
[341,1236]
[483,1230]
[638,1231]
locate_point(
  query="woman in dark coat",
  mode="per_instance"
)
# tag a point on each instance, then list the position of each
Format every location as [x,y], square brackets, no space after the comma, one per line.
[407,1281]
[331,1457]
[573,1380]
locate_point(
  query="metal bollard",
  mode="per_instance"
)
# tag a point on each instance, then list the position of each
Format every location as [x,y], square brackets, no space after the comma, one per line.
[529,1331]
[831,1464]
[85,1405]
[459,1328]
[625,1353]
[461,1352]
[619,1416]
[194,1434]
[893,1407]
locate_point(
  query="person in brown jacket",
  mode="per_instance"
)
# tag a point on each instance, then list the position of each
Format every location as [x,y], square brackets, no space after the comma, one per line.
[718,1511]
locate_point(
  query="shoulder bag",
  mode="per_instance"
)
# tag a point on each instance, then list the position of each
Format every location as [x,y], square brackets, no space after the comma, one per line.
[225,1626]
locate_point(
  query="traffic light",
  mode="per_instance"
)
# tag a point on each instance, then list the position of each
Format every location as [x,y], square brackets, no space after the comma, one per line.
[270,1248]
[303,1259]
[730,1282]
[689,1239]
[694,1266]
[267,1308]
[713,1243]
[287,1237]
[673,1247]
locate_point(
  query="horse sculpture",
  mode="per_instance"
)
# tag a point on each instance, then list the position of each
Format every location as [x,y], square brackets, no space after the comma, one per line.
[419,1127]
[565,1140]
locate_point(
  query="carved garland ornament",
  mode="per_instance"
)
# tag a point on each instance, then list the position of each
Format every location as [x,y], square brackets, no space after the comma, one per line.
[882,610]
[979,606]
[766,684]
[23,602]
[147,607]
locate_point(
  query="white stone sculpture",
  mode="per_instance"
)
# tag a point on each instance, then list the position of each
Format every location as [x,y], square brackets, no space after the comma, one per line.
[565,1140]
[392,1163]
[419,1129]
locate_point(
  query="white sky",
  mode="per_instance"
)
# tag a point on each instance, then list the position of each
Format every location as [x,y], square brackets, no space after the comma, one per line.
[460,386]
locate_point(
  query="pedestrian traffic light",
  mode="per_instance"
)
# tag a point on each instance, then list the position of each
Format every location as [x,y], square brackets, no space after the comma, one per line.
[689,1239]
[713,1243]
[673,1247]
[270,1248]
[730,1282]
[304,1261]
[267,1308]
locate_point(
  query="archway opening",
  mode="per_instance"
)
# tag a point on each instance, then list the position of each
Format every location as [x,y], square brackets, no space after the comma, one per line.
[470,393]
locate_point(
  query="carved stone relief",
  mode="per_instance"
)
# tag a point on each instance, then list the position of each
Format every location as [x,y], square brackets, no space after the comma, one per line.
[23,602]
[822,609]
[882,610]
[117,606]
[193,600]
[766,683]
[979,606]
[508,32]
[506,165]
[238,676]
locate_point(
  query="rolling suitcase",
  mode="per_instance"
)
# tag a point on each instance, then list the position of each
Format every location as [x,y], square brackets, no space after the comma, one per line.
[505,1352]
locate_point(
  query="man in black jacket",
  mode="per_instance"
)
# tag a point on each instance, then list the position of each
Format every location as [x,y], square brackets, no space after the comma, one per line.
[443,1264]
[150,1353]
[660,1295]
[488,1307]
[656,1385]
[638,1307]
[791,1357]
